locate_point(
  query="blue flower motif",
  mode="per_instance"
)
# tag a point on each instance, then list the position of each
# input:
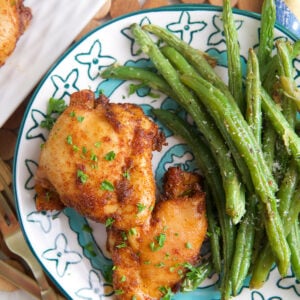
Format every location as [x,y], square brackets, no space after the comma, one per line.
[134,47]
[31,167]
[185,28]
[65,86]
[258,296]
[35,131]
[290,282]
[96,288]
[44,219]
[61,256]
[178,155]
[218,37]
[94,60]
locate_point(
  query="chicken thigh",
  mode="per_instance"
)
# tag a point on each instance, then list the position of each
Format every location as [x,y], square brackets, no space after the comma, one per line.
[150,260]
[98,160]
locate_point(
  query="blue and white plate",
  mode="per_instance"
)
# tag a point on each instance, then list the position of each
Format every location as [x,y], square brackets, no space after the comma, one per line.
[73,256]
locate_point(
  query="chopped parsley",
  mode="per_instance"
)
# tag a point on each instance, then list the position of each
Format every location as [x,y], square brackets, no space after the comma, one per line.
[111,155]
[80,118]
[82,176]
[188,245]
[107,186]
[167,293]
[132,231]
[90,248]
[126,174]
[87,228]
[109,222]
[122,245]
[97,144]
[141,207]
[54,109]
[159,242]
[69,139]
[119,292]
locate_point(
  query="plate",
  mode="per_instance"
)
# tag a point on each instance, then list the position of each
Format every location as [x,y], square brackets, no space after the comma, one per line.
[67,251]
[53,27]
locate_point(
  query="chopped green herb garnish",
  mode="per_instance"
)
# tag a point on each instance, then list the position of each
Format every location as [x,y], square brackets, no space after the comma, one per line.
[80,118]
[141,207]
[132,231]
[123,278]
[107,186]
[122,245]
[69,139]
[75,148]
[56,106]
[87,228]
[159,242]
[109,222]
[54,109]
[94,157]
[167,293]
[110,155]
[90,248]
[84,150]
[97,144]
[82,176]
[119,292]
[160,265]
[126,174]
[72,113]
[188,245]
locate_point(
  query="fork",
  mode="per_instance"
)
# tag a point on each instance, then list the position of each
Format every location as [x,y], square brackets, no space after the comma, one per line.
[15,241]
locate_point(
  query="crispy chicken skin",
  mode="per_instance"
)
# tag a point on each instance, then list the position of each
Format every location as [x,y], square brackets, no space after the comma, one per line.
[149,260]
[14,19]
[97,159]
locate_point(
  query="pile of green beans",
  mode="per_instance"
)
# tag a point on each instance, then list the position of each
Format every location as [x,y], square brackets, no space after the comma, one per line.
[253,194]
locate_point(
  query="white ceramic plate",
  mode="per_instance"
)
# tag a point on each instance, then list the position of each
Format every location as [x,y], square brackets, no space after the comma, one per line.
[53,27]
[74,258]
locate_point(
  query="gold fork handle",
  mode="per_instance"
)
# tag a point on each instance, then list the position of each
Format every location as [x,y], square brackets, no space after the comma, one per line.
[21,249]
[19,279]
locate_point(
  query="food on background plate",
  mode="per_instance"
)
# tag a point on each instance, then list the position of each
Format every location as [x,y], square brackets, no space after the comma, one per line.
[151,260]
[97,159]
[14,19]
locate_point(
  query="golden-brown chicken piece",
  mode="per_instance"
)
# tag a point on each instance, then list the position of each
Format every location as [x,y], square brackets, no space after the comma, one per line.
[149,260]
[14,18]
[98,159]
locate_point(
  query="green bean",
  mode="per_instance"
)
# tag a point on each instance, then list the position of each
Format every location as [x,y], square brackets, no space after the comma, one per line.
[287,196]
[192,55]
[282,127]
[294,244]
[214,233]
[231,182]
[228,115]
[253,98]
[235,206]
[266,40]
[243,247]
[265,260]
[284,50]
[211,173]
[247,230]
[233,55]
[147,77]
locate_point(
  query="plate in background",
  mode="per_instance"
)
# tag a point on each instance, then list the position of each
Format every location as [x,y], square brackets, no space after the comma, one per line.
[53,27]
